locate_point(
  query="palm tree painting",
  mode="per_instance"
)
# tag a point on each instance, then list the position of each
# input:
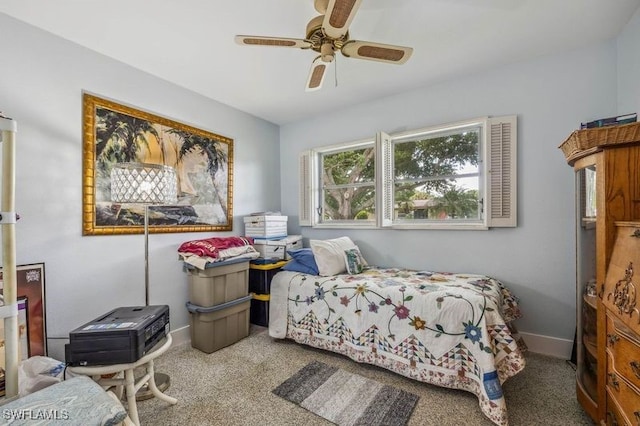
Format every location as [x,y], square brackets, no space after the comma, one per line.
[115,133]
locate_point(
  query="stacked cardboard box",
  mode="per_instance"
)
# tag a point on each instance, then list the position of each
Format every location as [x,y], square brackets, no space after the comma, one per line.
[265,226]
[277,248]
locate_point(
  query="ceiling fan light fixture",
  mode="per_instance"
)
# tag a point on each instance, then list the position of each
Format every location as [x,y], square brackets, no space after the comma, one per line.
[327,52]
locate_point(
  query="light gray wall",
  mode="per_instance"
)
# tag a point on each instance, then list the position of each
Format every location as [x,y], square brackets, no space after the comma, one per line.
[41,82]
[551,96]
[629,67]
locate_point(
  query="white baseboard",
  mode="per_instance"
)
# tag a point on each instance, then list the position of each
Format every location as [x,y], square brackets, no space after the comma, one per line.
[545,345]
[181,335]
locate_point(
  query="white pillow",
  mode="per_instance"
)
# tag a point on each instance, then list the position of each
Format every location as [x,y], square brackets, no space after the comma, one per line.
[329,255]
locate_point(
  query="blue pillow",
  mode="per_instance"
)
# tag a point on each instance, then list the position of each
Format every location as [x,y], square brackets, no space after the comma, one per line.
[304,256]
[295,266]
[303,261]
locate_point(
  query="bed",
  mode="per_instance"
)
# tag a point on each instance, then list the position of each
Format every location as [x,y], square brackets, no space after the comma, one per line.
[447,329]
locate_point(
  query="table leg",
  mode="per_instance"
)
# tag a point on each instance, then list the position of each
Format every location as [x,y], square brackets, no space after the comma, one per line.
[130,386]
[154,389]
[119,388]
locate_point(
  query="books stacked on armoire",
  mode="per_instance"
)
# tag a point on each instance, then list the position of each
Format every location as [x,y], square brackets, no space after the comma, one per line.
[610,121]
[270,238]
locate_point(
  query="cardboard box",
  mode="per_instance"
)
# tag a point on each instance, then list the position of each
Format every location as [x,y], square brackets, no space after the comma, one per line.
[267,226]
[277,248]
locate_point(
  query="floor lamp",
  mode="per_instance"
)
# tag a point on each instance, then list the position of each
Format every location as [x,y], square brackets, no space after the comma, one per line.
[145,184]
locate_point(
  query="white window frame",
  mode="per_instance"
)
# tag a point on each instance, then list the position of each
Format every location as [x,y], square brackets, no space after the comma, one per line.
[312,196]
[497,168]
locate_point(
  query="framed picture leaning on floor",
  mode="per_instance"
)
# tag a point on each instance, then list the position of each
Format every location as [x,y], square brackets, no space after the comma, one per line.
[30,285]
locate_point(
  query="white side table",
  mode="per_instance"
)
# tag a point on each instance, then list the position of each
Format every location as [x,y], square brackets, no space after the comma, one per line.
[131,386]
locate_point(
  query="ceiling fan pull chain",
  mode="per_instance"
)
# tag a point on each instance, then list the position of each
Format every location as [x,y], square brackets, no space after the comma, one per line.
[335,71]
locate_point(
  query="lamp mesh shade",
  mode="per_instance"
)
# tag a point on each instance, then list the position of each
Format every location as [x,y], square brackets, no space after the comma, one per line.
[143,183]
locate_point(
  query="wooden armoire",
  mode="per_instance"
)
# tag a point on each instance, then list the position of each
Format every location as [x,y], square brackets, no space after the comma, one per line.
[606,161]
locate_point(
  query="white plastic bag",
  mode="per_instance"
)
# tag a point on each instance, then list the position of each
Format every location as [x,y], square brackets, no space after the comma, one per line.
[37,373]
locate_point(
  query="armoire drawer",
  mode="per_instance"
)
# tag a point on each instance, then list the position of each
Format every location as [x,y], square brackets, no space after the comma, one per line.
[626,398]
[614,415]
[624,349]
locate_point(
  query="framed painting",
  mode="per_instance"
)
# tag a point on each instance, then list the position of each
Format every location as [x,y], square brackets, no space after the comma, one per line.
[31,309]
[203,162]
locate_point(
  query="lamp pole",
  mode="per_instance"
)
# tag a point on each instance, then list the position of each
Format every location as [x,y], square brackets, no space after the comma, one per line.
[145,184]
[146,255]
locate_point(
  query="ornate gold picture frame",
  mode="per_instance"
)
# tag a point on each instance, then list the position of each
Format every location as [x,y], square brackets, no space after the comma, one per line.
[115,133]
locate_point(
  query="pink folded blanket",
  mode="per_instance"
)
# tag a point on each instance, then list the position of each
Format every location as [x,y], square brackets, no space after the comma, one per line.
[210,247]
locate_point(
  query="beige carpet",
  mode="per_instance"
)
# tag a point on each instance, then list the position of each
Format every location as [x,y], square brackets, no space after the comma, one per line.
[233,387]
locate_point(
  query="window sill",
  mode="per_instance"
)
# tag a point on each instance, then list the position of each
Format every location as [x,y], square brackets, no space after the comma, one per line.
[408,226]
[349,225]
[442,226]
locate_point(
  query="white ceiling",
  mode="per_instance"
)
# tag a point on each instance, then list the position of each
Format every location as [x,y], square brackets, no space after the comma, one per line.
[191,43]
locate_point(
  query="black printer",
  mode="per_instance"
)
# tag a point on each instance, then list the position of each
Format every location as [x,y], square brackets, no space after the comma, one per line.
[123,335]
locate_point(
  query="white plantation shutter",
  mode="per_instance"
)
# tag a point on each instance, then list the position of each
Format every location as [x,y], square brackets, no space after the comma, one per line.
[384,179]
[501,179]
[305,208]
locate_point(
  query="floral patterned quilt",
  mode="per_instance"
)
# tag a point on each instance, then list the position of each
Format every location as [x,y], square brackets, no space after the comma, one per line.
[446,329]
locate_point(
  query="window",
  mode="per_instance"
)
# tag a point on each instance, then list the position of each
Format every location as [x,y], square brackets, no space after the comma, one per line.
[347,184]
[460,175]
[436,175]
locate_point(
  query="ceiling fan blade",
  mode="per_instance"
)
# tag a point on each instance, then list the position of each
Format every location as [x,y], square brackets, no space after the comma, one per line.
[316,74]
[377,51]
[248,40]
[338,17]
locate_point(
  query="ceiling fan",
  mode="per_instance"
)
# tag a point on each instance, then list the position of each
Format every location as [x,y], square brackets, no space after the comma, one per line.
[328,33]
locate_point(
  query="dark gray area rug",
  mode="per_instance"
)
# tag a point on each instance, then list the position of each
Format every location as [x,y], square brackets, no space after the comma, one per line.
[347,399]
